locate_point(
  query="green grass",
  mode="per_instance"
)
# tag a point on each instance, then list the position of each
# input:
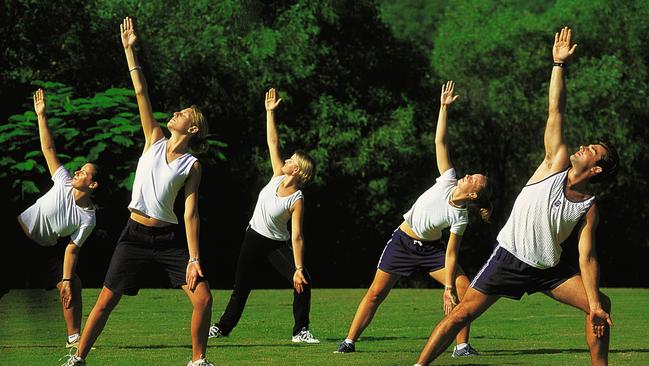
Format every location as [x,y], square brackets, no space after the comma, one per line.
[152,329]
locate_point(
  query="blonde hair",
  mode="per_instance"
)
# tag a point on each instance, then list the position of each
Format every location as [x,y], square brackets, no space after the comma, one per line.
[306,167]
[482,204]
[198,143]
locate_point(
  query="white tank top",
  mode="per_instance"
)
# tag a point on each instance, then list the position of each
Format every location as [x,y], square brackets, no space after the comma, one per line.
[157,183]
[56,214]
[433,212]
[542,219]
[272,212]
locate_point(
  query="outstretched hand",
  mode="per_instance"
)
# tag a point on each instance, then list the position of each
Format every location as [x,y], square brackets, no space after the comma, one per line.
[447,93]
[562,50]
[600,320]
[39,102]
[271,99]
[127,31]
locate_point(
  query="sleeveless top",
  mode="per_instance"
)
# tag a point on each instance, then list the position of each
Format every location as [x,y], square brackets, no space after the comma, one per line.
[272,212]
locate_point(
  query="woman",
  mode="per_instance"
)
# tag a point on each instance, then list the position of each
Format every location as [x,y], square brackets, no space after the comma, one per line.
[65,210]
[267,235]
[416,243]
[164,167]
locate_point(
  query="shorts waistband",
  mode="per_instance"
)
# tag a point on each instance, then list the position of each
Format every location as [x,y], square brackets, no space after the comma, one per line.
[418,242]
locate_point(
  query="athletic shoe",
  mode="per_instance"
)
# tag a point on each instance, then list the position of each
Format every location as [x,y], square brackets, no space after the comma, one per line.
[74,360]
[467,351]
[201,362]
[215,332]
[73,344]
[345,347]
[304,336]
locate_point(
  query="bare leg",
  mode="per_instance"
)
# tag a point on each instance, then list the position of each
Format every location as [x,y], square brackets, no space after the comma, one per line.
[572,293]
[461,284]
[97,319]
[472,305]
[72,315]
[201,300]
[375,295]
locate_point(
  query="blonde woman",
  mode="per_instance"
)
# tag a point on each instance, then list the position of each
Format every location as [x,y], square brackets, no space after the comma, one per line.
[267,236]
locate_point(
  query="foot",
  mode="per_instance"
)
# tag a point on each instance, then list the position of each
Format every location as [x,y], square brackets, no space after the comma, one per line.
[200,362]
[74,360]
[215,332]
[345,347]
[467,351]
[304,336]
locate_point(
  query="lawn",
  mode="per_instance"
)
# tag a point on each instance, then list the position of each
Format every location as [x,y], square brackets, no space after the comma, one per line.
[152,329]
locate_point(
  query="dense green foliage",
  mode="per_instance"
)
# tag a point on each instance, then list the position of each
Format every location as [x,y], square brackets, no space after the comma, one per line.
[359,82]
[153,329]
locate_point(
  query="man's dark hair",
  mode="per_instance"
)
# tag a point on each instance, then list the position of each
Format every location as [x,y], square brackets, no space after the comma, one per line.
[609,163]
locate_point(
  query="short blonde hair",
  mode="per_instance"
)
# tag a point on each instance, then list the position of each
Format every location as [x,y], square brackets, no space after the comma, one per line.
[198,143]
[306,167]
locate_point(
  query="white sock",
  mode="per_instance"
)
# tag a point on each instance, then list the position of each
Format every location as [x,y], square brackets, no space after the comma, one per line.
[417,364]
[349,341]
[461,346]
[73,337]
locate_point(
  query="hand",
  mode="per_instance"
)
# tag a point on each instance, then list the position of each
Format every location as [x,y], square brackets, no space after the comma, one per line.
[271,99]
[127,31]
[194,271]
[561,51]
[447,93]
[299,281]
[599,319]
[39,102]
[450,299]
[66,294]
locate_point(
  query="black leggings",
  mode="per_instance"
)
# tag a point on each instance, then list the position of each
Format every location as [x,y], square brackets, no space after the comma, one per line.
[254,249]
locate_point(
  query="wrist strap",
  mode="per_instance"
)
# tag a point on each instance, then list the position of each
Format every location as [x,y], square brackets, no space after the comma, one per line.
[135,68]
[66,280]
[299,268]
[560,64]
[193,260]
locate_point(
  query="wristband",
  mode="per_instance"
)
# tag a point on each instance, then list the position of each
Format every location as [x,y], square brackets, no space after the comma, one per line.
[299,268]
[66,280]
[193,260]
[449,288]
[135,68]
[560,64]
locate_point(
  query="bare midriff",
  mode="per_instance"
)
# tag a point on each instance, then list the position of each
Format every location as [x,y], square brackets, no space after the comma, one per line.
[408,230]
[145,220]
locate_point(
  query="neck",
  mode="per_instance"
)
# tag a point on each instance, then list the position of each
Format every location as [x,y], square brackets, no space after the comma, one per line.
[456,199]
[81,198]
[577,181]
[178,144]
[289,181]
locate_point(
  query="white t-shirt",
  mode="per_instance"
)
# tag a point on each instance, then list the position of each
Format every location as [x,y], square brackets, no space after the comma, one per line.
[56,214]
[272,212]
[157,183]
[433,212]
[542,218]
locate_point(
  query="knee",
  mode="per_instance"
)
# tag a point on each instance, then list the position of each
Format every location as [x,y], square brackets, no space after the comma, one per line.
[204,301]
[460,316]
[375,296]
[462,283]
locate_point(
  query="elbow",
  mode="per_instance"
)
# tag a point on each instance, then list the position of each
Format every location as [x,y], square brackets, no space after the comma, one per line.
[141,91]
[191,216]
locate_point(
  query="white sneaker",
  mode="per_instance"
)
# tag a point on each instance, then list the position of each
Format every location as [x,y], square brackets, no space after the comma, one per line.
[304,336]
[74,360]
[200,362]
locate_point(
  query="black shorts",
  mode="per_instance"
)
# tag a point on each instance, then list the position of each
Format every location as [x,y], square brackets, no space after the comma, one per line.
[138,247]
[403,255]
[505,275]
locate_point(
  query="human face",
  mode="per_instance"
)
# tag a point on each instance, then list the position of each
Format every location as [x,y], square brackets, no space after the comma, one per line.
[472,183]
[84,177]
[587,156]
[290,166]
[181,121]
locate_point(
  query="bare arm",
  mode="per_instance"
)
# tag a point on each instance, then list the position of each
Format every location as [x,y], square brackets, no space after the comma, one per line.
[192,226]
[589,267]
[450,291]
[69,264]
[556,153]
[44,133]
[272,138]
[441,147]
[150,127]
[298,245]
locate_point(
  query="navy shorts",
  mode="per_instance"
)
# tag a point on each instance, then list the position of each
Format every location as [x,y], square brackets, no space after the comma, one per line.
[505,275]
[138,247]
[403,255]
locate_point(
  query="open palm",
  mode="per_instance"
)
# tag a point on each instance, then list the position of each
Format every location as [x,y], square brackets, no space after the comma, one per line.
[127,31]
[562,50]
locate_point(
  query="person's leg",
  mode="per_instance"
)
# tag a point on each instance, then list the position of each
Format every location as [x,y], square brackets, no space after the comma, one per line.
[281,257]
[97,320]
[472,305]
[72,314]
[201,300]
[243,281]
[461,284]
[378,291]
[572,292]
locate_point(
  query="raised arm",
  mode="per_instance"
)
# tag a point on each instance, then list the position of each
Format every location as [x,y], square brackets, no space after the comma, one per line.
[44,133]
[150,127]
[272,138]
[441,147]
[192,226]
[297,241]
[589,268]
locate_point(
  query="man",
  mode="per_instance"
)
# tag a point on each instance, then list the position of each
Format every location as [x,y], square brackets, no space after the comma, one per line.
[546,211]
